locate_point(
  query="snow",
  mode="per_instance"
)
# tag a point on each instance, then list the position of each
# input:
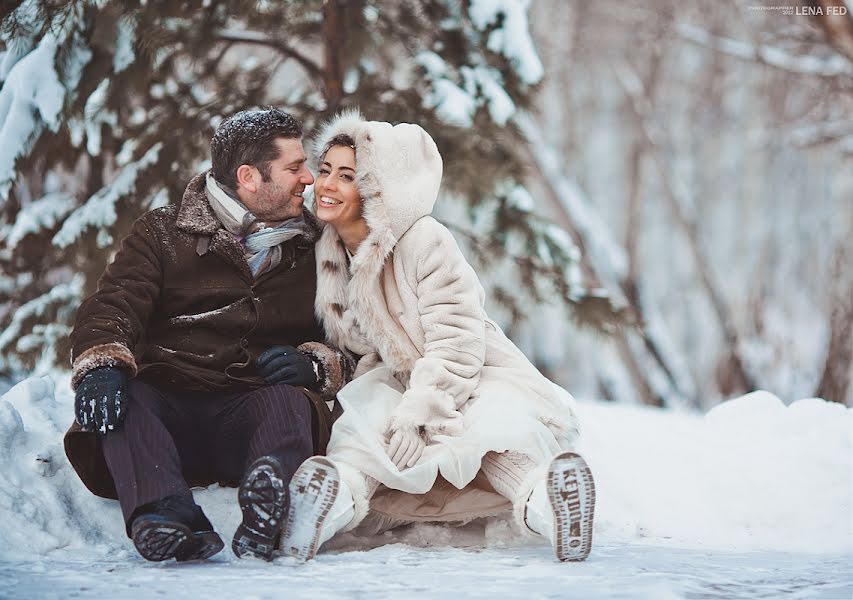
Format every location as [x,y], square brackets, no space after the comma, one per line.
[500,105]
[351,80]
[99,210]
[43,213]
[482,85]
[158,199]
[456,105]
[452,104]
[753,499]
[59,296]
[518,197]
[609,258]
[31,97]
[125,39]
[833,66]
[16,48]
[513,39]
[95,116]
[125,153]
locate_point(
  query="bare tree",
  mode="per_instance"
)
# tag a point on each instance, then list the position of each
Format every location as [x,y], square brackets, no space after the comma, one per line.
[838,368]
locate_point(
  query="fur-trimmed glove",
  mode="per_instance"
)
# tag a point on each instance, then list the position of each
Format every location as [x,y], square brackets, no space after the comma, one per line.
[286,364]
[100,401]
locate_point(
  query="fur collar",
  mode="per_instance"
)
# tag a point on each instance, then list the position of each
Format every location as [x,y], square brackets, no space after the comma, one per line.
[195,214]
[398,171]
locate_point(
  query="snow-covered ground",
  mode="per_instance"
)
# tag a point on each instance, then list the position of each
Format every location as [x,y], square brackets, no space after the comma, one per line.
[752,500]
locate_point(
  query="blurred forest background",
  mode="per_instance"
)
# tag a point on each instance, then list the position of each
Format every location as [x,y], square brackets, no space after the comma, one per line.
[657,195]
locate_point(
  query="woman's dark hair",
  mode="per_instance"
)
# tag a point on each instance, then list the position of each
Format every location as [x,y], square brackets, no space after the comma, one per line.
[248,138]
[342,139]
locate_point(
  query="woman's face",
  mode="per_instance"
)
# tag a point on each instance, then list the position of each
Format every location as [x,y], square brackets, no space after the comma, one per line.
[338,202]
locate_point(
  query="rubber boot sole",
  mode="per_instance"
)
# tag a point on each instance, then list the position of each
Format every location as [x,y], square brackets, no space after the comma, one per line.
[263,500]
[571,491]
[161,540]
[313,491]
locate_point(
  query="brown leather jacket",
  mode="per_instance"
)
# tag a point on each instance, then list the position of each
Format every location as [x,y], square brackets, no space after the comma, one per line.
[178,307]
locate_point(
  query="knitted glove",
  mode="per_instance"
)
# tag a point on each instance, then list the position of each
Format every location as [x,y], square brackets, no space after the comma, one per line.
[286,364]
[100,401]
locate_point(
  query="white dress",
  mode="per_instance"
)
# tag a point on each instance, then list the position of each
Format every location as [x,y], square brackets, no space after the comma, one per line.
[496,421]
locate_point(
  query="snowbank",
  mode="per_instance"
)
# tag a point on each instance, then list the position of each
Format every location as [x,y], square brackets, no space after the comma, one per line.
[752,474]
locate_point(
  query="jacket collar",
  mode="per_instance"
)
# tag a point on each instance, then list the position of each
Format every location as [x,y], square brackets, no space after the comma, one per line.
[196,216]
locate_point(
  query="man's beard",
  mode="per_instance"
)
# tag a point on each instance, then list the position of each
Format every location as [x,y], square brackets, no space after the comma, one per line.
[277,203]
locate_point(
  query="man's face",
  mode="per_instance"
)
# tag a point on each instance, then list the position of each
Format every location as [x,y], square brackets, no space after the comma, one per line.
[280,198]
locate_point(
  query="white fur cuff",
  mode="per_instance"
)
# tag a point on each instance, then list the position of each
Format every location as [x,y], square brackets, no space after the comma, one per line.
[429,412]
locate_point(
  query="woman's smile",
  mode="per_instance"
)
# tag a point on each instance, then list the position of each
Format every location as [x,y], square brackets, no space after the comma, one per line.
[329,201]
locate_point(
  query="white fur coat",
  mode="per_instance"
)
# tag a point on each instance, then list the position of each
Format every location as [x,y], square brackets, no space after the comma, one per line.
[409,300]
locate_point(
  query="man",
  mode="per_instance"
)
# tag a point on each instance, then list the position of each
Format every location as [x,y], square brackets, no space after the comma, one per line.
[191,362]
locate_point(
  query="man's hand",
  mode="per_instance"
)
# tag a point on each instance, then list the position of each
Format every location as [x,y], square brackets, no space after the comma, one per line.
[100,402]
[286,364]
[405,448]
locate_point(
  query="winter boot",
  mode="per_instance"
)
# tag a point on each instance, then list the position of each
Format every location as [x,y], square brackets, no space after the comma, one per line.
[174,527]
[561,507]
[263,499]
[321,504]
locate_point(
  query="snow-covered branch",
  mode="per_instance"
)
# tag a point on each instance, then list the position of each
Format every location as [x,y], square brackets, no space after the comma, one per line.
[512,40]
[39,215]
[66,294]
[31,98]
[611,263]
[815,134]
[33,93]
[833,66]
[99,210]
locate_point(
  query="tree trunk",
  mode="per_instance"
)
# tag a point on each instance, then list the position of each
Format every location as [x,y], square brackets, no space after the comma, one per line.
[636,358]
[654,139]
[837,27]
[838,369]
[334,24]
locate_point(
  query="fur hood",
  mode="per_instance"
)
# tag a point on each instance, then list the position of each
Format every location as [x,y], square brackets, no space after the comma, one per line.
[398,174]
[398,171]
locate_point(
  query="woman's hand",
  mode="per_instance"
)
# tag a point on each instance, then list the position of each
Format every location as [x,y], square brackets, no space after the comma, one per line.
[405,448]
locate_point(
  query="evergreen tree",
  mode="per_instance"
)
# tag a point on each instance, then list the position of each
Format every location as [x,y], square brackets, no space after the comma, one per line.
[107,109]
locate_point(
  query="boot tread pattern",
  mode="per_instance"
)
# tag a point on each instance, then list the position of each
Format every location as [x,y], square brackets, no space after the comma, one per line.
[263,502]
[162,541]
[571,491]
[313,491]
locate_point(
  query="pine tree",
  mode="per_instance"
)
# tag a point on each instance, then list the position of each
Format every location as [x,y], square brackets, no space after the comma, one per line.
[107,109]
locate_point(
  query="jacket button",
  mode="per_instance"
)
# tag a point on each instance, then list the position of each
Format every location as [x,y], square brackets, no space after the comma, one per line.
[244,343]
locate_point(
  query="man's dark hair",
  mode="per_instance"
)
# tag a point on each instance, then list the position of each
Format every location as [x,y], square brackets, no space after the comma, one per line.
[248,138]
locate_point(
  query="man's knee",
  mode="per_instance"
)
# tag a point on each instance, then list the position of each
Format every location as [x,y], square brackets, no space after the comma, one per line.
[282,397]
[144,402]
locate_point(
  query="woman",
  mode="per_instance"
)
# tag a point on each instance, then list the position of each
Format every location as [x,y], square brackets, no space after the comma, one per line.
[445,419]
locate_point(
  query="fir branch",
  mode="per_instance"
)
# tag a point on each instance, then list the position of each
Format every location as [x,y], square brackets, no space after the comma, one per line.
[253,37]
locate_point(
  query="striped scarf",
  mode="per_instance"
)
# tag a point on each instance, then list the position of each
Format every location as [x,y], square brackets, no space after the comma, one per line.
[262,245]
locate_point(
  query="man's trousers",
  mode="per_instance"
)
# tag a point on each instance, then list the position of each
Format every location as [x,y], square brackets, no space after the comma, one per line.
[169,437]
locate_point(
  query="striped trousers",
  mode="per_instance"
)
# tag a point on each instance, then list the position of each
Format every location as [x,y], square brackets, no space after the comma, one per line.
[169,437]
